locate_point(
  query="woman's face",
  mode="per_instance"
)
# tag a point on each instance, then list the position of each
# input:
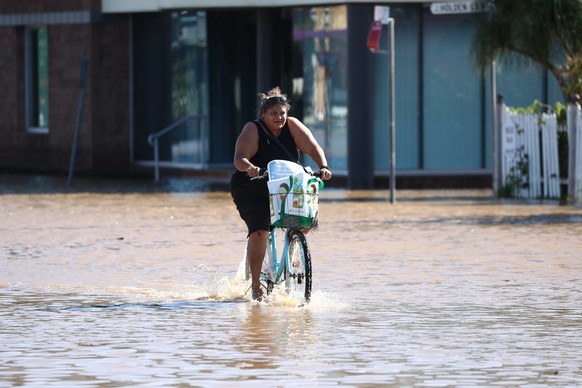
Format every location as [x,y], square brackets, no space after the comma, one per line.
[276,116]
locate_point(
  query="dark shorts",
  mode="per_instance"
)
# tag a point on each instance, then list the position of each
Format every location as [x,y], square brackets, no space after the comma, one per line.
[252,201]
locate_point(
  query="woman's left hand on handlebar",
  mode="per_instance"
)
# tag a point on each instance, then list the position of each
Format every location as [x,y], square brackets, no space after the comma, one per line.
[325,173]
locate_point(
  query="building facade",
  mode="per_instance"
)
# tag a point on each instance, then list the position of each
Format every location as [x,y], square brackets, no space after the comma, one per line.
[201,63]
[42,46]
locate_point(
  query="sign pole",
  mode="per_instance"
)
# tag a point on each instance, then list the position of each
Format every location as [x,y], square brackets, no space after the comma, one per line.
[392,116]
[382,16]
[495,119]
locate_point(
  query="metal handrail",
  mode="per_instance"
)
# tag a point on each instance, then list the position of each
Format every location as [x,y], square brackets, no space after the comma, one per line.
[153,140]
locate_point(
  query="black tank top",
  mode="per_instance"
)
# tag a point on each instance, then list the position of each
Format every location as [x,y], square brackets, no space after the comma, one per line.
[268,150]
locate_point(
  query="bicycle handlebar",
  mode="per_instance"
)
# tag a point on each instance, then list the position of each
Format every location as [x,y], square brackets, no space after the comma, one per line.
[264,173]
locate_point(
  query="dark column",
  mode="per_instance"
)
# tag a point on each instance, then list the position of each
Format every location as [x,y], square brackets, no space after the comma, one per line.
[360,130]
[265,50]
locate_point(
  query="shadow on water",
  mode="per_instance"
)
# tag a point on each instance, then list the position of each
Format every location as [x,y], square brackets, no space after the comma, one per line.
[532,219]
[198,304]
[542,219]
[372,199]
[14,183]
[47,184]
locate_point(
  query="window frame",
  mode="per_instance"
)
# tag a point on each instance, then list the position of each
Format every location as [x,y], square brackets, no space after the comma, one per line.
[33,80]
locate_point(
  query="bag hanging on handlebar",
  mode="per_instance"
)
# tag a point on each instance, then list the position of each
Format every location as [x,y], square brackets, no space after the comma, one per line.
[293,199]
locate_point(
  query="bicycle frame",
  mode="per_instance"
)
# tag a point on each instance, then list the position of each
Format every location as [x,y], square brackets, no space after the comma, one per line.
[293,267]
[279,263]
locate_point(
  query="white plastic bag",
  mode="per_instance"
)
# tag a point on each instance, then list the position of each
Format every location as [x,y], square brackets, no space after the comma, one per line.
[293,195]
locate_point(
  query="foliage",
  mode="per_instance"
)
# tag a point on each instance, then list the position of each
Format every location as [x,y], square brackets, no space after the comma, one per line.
[561,114]
[518,175]
[537,107]
[546,32]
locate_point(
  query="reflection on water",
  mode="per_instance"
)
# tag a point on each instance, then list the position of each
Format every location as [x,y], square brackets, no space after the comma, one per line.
[140,287]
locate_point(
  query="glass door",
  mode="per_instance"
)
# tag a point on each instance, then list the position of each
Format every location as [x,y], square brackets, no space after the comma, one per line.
[189,89]
[320,40]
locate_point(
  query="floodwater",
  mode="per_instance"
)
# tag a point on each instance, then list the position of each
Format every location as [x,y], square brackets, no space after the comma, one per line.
[114,285]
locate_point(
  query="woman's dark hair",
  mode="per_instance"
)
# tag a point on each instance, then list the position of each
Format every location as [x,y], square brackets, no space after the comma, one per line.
[271,98]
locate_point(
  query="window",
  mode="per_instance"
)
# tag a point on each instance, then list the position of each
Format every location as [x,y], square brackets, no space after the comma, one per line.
[321,40]
[171,83]
[37,80]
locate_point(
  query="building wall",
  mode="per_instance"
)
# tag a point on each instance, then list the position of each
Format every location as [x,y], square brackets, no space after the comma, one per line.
[10,110]
[104,137]
[110,107]
[105,142]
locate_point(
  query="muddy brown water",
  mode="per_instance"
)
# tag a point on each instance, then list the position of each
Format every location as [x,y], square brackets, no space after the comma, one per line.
[126,286]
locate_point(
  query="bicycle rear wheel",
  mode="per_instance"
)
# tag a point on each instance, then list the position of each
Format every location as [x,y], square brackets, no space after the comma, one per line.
[298,266]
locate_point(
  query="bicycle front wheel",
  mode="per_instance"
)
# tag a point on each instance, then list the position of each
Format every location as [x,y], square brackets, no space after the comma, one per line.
[298,266]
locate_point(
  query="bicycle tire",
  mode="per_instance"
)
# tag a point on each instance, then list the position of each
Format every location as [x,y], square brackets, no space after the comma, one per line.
[298,269]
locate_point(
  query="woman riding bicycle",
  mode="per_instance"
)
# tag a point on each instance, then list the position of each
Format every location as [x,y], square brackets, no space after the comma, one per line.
[274,135]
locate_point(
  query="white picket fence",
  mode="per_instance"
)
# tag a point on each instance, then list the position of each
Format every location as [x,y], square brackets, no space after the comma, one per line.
[529,154]
[575,152]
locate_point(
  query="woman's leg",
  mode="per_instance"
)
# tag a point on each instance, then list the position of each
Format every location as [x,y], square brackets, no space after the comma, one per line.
[256,245]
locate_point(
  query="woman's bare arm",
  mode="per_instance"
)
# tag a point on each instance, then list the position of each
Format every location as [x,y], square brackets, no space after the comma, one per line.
[306,143]
[245,148]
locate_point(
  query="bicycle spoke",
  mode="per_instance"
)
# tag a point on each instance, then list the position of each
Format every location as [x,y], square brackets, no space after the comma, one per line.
[298,268]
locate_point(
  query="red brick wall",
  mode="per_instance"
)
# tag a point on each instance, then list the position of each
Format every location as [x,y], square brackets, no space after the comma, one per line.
[11,90]
[105,134]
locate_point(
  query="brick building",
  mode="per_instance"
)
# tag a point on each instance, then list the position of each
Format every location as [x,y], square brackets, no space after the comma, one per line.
[42,45]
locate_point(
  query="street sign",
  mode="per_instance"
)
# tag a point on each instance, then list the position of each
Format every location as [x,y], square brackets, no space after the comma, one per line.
[382,14]
[374,36]
[458,7]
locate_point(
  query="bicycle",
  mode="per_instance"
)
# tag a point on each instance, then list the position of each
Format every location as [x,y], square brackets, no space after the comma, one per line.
[293,267]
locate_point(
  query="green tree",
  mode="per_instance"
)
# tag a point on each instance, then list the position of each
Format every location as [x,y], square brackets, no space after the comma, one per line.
[547,32]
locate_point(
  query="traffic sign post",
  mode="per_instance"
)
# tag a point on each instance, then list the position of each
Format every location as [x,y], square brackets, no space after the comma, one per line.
[382,16]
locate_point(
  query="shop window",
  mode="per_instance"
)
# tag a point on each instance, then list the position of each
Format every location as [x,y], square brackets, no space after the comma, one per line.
[171,87]
[37,80]
[320,81]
